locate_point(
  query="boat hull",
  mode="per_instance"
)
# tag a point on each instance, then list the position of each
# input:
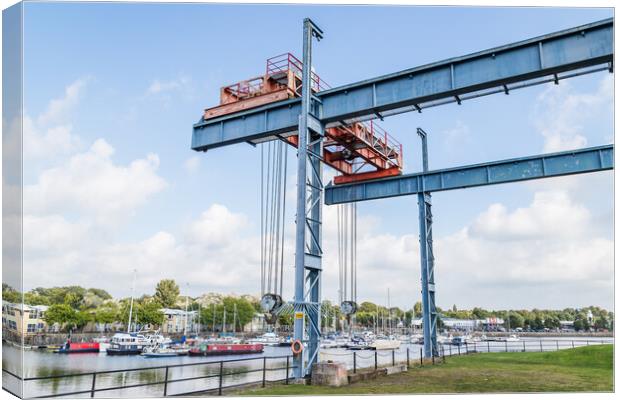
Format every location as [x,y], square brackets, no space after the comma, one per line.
[78,351]
[159,355]
[123,352]
[219,350]
[385,345]
[71,348]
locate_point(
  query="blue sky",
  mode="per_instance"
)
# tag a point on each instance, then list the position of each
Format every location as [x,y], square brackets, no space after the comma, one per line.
[116,88]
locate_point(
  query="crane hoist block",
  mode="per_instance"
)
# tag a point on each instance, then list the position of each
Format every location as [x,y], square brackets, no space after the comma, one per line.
[359,151]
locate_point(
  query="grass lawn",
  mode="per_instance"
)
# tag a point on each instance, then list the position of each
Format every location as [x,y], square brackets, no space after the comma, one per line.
[585,369]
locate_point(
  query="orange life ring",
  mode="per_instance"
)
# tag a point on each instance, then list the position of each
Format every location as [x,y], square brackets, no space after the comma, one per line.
[297,347]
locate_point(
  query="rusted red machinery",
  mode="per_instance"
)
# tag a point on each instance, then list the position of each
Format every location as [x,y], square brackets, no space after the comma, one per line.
[359,151]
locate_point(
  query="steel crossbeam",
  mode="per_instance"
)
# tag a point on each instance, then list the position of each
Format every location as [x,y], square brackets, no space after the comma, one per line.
[570,162]
[497,70]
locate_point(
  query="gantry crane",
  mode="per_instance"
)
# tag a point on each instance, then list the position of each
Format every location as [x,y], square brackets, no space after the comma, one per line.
[326,127]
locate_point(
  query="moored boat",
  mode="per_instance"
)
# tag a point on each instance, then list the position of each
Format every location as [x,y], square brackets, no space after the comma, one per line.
[511,338]
[84,347]
[225,349]
[268,339]
[165,351]
[286,342]
[123,344]
[358,343]
[385,344]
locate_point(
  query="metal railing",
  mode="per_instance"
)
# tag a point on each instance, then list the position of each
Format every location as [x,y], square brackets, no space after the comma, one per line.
[222,375]
[214,381]
[288,62]
[246,89]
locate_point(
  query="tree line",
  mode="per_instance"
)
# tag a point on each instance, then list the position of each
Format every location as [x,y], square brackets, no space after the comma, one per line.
[73,307]
[535,319]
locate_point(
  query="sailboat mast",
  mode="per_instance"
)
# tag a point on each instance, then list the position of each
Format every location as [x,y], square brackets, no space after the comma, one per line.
[235,317]
[185,325]
[199,318]
[389,314]
[376,318]
[133,284]
[213,318]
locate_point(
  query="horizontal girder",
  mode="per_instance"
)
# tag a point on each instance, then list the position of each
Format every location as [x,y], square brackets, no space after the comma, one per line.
[495,70]
[514,170]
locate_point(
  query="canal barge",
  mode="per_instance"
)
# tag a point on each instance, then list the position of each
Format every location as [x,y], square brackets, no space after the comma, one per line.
[85,347]
[225,349]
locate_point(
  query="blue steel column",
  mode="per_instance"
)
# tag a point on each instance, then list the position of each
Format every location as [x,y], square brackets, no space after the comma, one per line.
[429,312]
[308,224]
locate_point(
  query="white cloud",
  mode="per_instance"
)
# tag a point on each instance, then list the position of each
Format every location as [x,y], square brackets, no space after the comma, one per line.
[47,142]
[529,253]
[457,136]
[92,184]
[159,86]
[569,118]
[560,113]
[50,134]
[192,164]
[551,214]
[59,109]
[216,227]
[52,231]
[217,253]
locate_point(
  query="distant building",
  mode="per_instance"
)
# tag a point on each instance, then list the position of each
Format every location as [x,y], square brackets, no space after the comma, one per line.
[25,319]
[491,323]
[175,321]
[257,324]
[461,324]
[465,324]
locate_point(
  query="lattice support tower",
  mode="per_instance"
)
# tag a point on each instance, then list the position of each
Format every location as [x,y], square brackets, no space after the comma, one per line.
[427,261]
[308,247]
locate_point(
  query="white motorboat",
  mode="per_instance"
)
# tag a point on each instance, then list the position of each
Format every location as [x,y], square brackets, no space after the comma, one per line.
[133,343]
[358,345]
[165,351]
[404,339]
[267,339]
[461,340]
[473,339]
[328,344]
[385,344]
[444,339]
[511,338]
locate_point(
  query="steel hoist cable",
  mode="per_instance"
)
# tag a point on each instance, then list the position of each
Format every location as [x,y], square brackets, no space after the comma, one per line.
[273,210]
[347,257]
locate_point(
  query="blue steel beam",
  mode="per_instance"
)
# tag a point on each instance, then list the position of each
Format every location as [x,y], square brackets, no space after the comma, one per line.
[491,71]
[580,161]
